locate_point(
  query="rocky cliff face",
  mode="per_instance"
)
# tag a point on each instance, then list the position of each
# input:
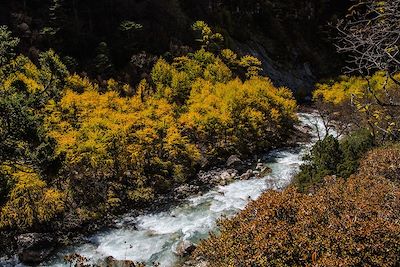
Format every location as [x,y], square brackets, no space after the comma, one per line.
[294,41]
[299,77]
[290,37]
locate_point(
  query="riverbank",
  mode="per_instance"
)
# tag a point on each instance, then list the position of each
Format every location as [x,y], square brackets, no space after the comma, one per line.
[158,237]
[234,169]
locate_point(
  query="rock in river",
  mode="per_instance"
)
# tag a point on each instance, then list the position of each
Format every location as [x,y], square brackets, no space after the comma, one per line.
[249,174]
[112,262]
[34,247]
[186,190]
[184,248]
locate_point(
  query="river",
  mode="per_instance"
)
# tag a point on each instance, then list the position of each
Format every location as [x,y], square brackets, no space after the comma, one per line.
[154,237]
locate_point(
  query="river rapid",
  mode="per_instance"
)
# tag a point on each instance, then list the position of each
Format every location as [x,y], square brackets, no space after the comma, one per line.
[154,237]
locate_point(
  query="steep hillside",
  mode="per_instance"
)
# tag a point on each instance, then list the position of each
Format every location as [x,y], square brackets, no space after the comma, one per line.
[289,36]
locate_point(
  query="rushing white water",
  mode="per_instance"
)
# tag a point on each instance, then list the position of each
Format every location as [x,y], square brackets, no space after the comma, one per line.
[155,237]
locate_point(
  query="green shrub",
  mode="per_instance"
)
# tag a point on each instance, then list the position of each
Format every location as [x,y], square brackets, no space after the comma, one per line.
[333,157]
[354,147]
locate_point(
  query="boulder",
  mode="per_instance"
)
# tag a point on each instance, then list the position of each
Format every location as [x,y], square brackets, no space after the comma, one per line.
[206,177]
[305,129]
[184,248]
[217,176]
[186,190]
[76,260]
[112,262]
[264,171]
[34,248]
[233,161]
[236,163]
[223,182]
[196,263]
[247,175]
[225,176]
[259,166]
[23,27]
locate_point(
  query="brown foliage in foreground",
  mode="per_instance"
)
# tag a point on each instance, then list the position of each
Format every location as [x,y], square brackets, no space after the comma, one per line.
[346,223]
[382,162]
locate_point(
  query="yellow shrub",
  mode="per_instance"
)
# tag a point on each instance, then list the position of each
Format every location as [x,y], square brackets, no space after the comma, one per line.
[225,114]
[79,84]
[30,201]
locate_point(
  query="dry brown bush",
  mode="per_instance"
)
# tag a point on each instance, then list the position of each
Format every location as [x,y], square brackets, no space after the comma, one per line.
[346,223]
[382,162]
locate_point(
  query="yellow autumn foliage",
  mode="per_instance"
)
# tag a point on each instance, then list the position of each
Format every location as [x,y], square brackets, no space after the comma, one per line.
[151,141]
[30,201]
[224,114]
[22,74]
[174,81]
[108,146]
[121,137]
[368,102]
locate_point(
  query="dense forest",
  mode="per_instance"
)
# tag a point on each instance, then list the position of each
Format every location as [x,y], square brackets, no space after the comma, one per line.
[114,106]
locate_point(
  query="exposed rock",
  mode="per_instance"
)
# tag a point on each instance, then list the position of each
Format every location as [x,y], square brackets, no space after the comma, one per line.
[76,259]
[233,160]
[305,129]
[247,175]
[23,27]
[299,77]
[226,175]
[196,263]
[302,134]
[207,177]
[259,166]
[112,262]
[184,248]
[217,177]
[186,190]
[264,171]
[34,247]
